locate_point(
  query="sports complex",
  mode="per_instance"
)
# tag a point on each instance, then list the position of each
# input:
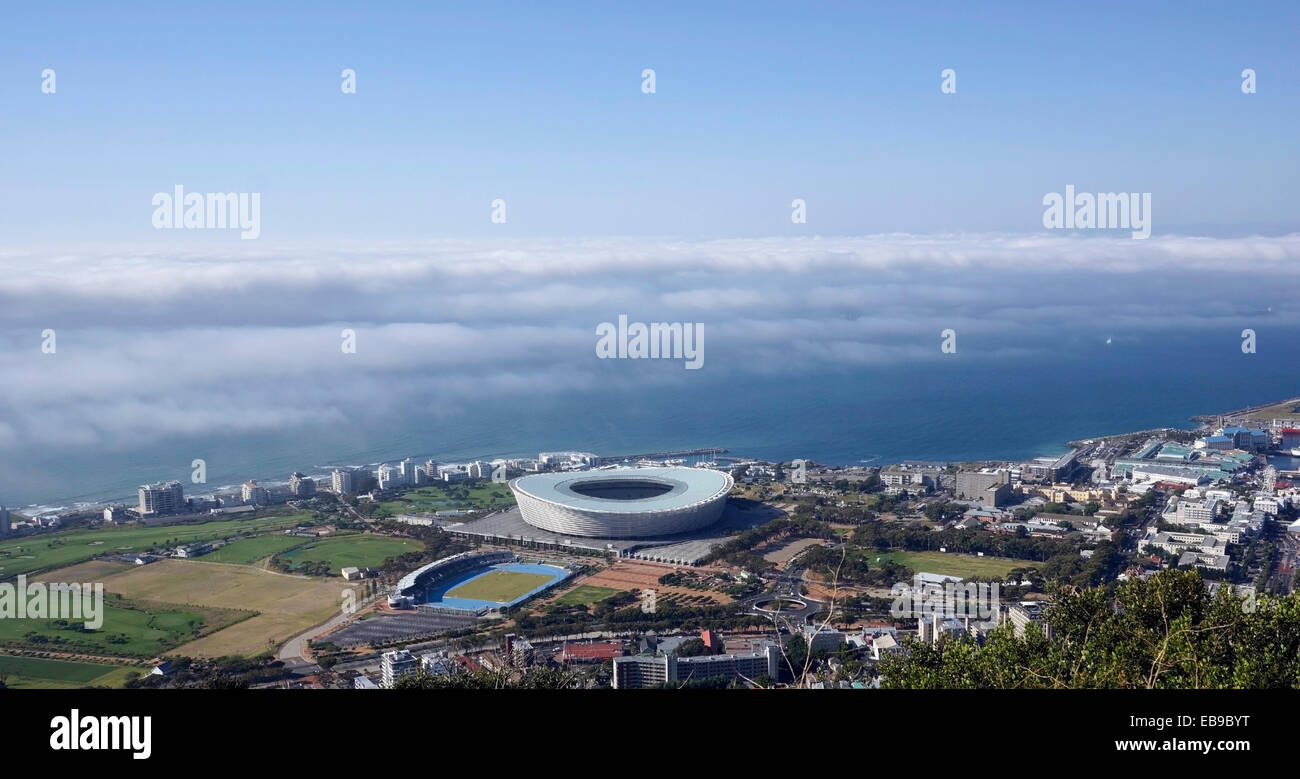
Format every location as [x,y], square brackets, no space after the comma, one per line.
[623,502]
[476,582]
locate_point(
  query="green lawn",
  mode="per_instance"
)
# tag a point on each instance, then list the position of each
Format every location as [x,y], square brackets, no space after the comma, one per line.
[500,586]
[585,595]
[247,551]
[129,628]
[55,550]
[481,496]
[955,564]
[361,551]
[33,672]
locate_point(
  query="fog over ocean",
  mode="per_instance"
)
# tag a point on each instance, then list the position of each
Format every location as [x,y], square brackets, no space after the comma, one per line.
[827,349]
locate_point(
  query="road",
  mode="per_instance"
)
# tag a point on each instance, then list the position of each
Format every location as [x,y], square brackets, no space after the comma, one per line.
[295,648]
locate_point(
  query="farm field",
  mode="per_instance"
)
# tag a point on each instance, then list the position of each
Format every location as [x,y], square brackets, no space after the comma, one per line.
[955,564]
[46,673]
[247,551]
[287,605]
[585,595]
[43,552]
[362,551]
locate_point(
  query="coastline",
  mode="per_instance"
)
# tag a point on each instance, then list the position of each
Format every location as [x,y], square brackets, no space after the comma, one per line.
[1204,421]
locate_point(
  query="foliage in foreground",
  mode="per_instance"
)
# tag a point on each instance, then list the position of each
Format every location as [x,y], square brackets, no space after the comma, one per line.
[1165,632]
[531,679]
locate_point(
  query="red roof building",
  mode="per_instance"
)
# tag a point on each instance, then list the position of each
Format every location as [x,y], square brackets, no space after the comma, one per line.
[591,653]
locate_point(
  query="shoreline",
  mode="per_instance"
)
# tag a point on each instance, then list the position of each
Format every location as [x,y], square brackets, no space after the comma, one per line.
[1203,422]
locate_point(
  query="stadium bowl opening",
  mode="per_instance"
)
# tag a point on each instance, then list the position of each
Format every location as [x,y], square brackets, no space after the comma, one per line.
[623,502]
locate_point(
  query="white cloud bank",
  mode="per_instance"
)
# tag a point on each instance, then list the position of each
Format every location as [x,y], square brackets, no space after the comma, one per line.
[189,341]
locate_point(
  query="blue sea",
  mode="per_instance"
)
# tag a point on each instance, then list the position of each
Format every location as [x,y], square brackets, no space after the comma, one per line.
[972,406]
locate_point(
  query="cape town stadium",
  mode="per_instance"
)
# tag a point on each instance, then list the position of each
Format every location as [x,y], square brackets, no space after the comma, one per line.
[623,502]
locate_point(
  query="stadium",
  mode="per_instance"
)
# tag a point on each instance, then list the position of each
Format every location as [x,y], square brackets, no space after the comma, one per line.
[475,582]
[623,502]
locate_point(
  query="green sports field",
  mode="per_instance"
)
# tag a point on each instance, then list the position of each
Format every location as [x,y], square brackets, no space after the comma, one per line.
[585,595]
[955,564]
[500,586]
[142,629]
[34,672]
[340,552]
[484,495]
[247,551]
[53,550]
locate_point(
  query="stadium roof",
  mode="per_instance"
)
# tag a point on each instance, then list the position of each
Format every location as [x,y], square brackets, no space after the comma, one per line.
[687,487]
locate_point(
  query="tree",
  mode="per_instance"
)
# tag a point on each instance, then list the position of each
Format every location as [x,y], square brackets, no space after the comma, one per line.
[1164,632]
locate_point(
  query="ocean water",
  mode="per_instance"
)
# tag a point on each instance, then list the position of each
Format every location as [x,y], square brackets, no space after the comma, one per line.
[972,405]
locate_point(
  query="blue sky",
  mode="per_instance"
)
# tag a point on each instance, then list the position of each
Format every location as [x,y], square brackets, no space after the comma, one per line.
[540,104]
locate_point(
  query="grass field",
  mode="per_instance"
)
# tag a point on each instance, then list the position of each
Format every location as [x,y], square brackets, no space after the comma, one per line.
[287,605]
[247,551]
[140,629]
[483,495]
[955,564]
[32,672]
[362,551]
[500,586]
[58,549]
[585,595]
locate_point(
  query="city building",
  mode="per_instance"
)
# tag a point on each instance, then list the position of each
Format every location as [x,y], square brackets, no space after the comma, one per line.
[343,481]
[437,664]
[1190,512]
[254,495]
[591,653]
[6,524]
[903,476]
[396,664]
[822,638]
[1247,439]
[165,497]
[518,651]
[390,476]
[301,486]
[1049,468]
[992,489]
[648,671]
[1206,560]
[1022,615]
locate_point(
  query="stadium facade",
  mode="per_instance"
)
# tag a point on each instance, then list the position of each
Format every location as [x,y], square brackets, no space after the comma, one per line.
[623,502]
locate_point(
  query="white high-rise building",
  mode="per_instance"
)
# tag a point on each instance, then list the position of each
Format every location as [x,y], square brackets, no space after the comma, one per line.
[254,495]
[343,481]
[6,525]
[396,664]
[302,486]
[165,497]
[390,476]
